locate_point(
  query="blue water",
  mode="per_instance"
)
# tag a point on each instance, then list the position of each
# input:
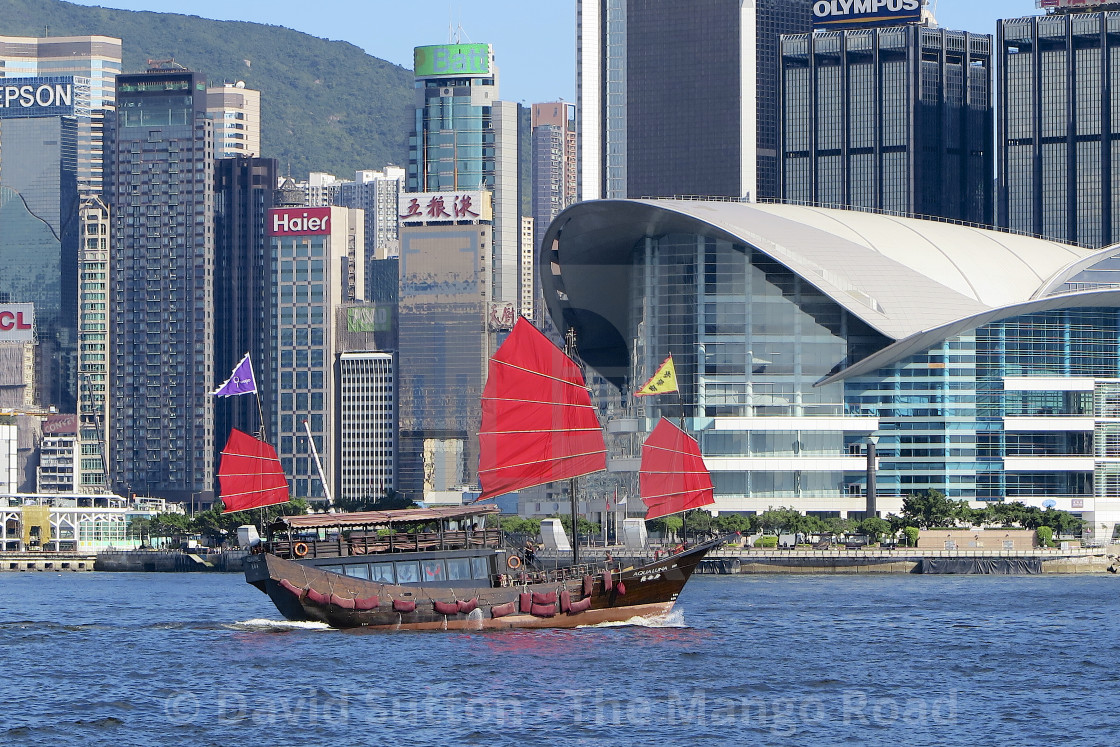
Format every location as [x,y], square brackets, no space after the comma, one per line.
[202,659]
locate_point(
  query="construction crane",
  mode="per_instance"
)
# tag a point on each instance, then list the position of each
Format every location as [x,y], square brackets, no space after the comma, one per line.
[35,412]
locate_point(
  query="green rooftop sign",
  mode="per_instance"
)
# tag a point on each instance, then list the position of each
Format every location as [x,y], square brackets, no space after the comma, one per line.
[443,60]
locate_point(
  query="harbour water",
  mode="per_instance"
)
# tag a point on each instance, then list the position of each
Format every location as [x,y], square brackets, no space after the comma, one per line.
[202,659]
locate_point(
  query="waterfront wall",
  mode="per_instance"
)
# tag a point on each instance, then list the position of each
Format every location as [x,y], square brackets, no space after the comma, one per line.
[1086,560]
[52,562]
[135,561]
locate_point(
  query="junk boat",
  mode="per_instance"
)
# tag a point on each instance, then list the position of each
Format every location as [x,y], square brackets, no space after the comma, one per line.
[447,570]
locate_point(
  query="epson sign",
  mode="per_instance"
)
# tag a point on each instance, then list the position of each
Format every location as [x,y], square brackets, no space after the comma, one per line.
[35,98]
[863,13]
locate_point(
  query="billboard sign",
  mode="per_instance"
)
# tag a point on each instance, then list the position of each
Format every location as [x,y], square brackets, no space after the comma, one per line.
[17,322]
[829,14]
[299,221]
[65,424]
[1070,3]
[49,96]
[453,61]
[418,208]
[369,319]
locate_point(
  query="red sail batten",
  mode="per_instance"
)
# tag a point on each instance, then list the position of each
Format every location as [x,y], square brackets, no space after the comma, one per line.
[673,477]
[250,474]
[538,423]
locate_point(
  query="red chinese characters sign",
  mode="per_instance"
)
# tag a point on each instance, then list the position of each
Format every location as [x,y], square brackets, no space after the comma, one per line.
[444,207]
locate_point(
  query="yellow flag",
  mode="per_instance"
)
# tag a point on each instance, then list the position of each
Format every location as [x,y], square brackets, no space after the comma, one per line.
[665,380]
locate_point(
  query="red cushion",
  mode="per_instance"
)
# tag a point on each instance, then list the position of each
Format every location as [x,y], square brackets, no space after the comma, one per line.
[446,608]
[465,608]
[608,581]
[501,610]
[581,606]
[588,585]
[621,589]
[404,605]
[369,603]
[526,602]
[544,598]
[565,601]
[543,610]
[346,603]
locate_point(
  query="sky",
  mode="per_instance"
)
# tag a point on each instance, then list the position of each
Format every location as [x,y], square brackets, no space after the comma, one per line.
[534,40]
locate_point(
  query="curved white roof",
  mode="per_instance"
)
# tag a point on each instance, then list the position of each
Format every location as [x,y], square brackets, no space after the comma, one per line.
[902,276]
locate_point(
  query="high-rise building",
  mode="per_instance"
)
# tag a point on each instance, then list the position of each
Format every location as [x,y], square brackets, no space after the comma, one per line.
[896,119]
[377,193]
[1058,109]
[554,160]
[244,191]
[94,292]
[681,98]
[317,267]
[161,188]
[236,111]
[465,139]
[366,453]
[96,58]
[39,125]
[448,326]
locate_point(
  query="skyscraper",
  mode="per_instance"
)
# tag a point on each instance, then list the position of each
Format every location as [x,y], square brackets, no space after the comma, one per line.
[1059,126]
[681,98]
[554,160]
[317,266]
[242,283]
[161,337]
[96,58]
[236,111]
[377,193]
[896,118]
[94,292]
[39,126]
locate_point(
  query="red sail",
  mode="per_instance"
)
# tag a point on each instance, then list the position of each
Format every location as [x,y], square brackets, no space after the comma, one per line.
[673,477]
[538,423]
[250,474]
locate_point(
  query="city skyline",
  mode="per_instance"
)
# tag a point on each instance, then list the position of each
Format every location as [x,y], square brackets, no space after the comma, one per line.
[548,33]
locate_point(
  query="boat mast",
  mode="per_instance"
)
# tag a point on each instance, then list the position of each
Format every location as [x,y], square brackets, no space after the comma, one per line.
[570,350]
[319,466]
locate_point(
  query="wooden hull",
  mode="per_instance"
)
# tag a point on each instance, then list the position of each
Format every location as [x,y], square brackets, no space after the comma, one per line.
[301,592]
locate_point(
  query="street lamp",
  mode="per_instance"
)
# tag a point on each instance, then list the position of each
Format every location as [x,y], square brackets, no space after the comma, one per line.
[872,509]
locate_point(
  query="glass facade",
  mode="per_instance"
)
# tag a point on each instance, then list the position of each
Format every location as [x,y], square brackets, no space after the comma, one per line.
[1015,409]
[1059,140]
[39,243]
[367,425]
[895,119]
[444,345]
[671,95]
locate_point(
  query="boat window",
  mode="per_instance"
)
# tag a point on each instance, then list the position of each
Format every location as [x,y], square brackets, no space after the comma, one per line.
[480,568]
[358,571]
[433,570]
[331,568]
[408,572]
[382,572]
[458,569]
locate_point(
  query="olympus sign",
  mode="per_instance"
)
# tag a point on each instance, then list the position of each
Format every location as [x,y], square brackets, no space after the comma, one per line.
[43,95]
[866,12]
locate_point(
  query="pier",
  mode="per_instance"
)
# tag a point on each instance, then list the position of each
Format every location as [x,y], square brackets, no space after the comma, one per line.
[46,561]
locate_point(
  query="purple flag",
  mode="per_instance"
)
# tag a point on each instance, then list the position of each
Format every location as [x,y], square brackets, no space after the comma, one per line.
[241,381]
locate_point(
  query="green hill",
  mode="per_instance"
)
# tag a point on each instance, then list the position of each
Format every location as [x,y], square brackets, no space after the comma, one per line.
[325,105]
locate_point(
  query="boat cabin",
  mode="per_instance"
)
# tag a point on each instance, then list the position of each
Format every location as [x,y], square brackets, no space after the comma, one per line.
[449,545]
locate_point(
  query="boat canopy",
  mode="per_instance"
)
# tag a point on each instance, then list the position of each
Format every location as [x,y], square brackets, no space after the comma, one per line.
[538,423]
[250,474]
[383,518]
[673,477]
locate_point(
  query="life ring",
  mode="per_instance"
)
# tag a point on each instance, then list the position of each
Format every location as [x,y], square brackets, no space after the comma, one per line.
[513,562]
[299,549]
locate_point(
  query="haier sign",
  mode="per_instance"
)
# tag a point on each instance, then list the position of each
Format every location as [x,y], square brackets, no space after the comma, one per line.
[299,221]
[865,13]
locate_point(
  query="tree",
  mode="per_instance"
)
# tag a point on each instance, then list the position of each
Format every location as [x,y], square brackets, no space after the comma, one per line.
[728,523]
[911,536]
[140,527]
[929,509]
[698,523]
[390,501]
[874,527]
